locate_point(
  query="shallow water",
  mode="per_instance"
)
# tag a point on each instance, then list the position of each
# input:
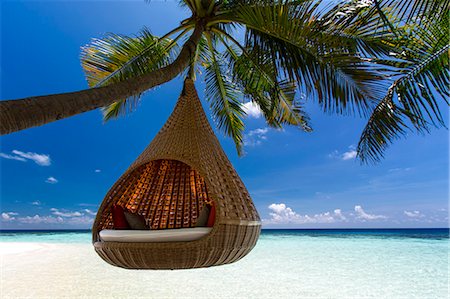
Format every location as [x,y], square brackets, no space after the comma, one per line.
[83,236]
[284,264]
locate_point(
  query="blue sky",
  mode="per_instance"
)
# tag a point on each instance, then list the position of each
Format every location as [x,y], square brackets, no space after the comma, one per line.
[55,176]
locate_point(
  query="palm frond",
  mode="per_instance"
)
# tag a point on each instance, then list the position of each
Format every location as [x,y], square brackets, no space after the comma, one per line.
[417,11]
[257,78]
[420,86]
[353,60]
[120,108]
[223,96]
[325,65]
[385,125]
[423,81]
[116,58]
[286,108]
[374,30]
[387,14]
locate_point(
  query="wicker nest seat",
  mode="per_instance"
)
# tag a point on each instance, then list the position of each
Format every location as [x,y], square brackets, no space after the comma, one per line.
[183,169]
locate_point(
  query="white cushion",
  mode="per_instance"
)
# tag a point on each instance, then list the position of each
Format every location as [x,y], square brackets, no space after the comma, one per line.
[153,236]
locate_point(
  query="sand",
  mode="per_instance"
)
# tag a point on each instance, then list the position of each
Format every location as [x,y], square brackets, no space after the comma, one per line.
[278,268]
[43,270]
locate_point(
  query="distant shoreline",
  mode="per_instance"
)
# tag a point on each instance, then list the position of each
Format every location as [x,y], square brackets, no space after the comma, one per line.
[264,229]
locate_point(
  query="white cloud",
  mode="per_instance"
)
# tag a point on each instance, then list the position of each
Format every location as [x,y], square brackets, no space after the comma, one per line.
[57,212]
[36,219]
[413,214]
[39,159]
[57,217]
[36,203]
[348,155]
[334,154]
[97,170]
[8,216]
[252,110]
[351,154]
[87,205]
[282,214]
[51,180]
[361,214]
[89,212]
[339,215]
[11,157]
[255,137]
[280,208]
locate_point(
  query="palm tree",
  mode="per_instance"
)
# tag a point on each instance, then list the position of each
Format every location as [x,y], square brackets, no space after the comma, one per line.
[382,59]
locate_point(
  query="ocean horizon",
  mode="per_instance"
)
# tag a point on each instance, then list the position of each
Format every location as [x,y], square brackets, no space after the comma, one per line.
[433,230]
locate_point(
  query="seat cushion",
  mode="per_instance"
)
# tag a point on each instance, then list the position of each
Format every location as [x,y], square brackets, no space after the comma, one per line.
[154,236]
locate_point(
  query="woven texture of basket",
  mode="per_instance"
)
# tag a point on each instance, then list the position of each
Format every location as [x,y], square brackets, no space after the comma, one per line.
[182,168]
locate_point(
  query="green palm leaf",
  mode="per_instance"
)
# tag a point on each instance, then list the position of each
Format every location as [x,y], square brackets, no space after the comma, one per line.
[325,65]
[421,81]
[257,78]
[116,58]
[385,125]
[223,96]
[417,11]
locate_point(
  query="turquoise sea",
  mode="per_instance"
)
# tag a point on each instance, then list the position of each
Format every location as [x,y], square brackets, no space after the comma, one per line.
[83,236]
[369,263]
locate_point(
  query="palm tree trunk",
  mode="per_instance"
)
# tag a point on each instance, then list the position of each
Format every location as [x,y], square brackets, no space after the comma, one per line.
[16,115]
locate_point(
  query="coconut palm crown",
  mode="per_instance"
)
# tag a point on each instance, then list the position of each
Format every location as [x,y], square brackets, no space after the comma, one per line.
[385,60]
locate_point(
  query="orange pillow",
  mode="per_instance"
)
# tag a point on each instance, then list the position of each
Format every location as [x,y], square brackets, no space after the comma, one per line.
[212,216]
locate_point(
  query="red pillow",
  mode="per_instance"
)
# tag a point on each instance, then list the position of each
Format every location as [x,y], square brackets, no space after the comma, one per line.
[212,216]
[119,220]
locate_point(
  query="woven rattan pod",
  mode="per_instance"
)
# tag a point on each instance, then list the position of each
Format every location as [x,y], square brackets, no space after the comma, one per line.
[182,168]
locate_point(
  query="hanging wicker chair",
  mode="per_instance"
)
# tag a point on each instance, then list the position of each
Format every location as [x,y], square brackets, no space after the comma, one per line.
[182,168]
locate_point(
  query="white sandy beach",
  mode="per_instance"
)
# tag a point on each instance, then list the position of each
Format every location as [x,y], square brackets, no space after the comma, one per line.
[20,247]
[282,268]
